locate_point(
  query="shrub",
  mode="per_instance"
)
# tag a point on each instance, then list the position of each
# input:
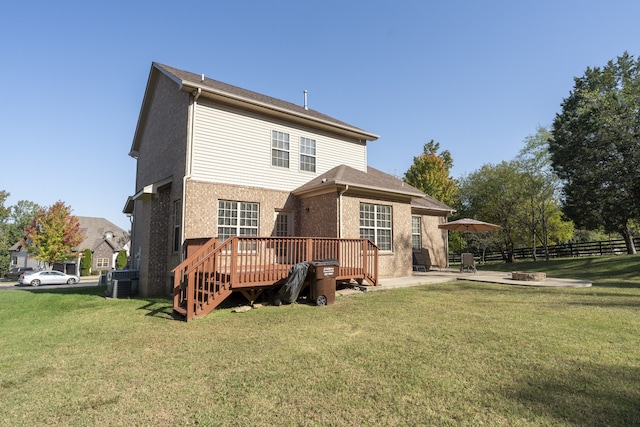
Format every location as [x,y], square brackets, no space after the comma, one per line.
[85,262]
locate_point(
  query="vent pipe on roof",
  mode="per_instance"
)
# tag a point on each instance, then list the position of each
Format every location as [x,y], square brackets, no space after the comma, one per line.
[202,78]
[305,100]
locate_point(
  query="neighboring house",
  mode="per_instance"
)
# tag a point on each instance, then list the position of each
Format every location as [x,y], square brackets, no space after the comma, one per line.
[215,160]
[18,257]
[102,237]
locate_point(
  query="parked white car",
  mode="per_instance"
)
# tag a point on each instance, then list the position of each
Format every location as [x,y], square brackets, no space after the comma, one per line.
[37,278]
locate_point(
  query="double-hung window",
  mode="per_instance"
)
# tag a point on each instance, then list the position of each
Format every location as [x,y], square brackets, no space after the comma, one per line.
[416,233]
[279,149]
[237,219]
[307,154]
[375,224]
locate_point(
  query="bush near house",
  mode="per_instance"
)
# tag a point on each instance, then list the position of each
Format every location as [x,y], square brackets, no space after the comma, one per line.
[121,260]
[85,263]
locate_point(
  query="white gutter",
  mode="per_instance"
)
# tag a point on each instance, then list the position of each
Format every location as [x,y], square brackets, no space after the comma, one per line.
[188,164]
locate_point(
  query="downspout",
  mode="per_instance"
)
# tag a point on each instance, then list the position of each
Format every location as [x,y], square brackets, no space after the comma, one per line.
[189,161]
[340,210]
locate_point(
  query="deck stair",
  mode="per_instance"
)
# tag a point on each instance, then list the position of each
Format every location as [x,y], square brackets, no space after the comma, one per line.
[251,265]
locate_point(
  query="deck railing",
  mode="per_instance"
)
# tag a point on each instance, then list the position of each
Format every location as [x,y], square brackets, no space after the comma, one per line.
[251,264]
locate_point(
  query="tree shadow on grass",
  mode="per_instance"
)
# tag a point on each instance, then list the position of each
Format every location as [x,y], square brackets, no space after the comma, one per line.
[582,394]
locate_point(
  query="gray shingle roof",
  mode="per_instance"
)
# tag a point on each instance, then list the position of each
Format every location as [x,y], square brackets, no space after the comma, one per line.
[192,79]
[372,180]
[95,230]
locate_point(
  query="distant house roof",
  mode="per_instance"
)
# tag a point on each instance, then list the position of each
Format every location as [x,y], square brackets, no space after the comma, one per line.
[98,230]
[373,181]
[246,99]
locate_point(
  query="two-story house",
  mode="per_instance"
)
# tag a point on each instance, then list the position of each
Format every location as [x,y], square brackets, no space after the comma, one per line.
[216,161]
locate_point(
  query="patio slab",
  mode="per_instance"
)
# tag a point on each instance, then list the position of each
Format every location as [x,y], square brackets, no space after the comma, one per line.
[425,278]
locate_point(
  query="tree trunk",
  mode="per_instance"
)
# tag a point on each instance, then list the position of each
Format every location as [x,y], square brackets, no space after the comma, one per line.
[628,240]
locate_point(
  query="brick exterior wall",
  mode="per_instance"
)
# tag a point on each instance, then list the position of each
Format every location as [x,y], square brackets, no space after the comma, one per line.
[397,262]
[434,241]
[319,216]
[201,207]
[158,278]
[161,155]
[102,251]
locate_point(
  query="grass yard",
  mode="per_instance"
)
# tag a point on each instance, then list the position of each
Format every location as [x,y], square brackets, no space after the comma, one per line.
[451,354]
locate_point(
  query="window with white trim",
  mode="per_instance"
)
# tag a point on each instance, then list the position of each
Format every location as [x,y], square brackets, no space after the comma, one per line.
[177,223]
[279,149]
[237,219]
[102,263]
[376,225]
[307,154]
[416,233]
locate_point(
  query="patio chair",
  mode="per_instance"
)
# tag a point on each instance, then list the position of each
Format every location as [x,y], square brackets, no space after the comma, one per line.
[416,265]
[468,263]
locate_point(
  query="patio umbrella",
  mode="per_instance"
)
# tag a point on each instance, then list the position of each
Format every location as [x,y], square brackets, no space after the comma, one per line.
[468,225]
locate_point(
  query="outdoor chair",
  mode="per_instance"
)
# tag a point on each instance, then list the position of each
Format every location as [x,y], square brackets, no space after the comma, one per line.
[416,265]
[467,262]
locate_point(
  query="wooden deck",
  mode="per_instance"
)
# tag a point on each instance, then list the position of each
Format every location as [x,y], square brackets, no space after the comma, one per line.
[252,264]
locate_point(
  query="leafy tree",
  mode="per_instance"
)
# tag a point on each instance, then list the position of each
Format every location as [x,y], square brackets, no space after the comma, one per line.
[545,224]
[5,234]
[595,148]
[53,234]
[430,173]
[13,220]
[121,260]
[497,194]
[86,262]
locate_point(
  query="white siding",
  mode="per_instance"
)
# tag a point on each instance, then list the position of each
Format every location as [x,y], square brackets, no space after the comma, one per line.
[234,147]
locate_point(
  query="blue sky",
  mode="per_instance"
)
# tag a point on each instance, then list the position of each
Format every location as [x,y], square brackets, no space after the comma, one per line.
[476,76]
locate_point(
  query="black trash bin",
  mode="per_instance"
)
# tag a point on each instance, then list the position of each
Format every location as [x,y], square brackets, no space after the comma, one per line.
[323,281]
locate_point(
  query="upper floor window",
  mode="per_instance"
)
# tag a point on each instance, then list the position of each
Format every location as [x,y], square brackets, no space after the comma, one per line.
[376,224]
[237,219]
[307,154]
[279,149]
[416,233]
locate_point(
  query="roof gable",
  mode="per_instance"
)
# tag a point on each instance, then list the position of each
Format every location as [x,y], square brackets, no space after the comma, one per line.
[97,230]
[373,181]
[198,85]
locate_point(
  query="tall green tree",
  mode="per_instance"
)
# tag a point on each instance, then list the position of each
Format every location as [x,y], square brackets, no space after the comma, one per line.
[53,234]
[498,194]
[543,219]
[595,148]
[431,173]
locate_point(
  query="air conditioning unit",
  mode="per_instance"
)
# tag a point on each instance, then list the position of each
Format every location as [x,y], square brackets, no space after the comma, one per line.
[120,288]
[121,283]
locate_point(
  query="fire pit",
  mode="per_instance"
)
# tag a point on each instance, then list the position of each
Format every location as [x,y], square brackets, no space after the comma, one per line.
[528,276]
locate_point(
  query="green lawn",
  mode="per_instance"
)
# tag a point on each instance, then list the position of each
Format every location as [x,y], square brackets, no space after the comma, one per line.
[458,353]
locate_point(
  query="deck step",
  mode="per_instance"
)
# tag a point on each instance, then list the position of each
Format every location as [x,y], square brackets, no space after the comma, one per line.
[181,311]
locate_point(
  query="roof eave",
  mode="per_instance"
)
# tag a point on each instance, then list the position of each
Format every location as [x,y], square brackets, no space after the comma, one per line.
[250,104]
[331,185]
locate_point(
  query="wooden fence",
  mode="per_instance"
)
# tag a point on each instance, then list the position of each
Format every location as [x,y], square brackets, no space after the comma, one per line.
[604,247]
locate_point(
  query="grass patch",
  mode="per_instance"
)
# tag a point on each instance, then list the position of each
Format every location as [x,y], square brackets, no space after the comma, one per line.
[458,353]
